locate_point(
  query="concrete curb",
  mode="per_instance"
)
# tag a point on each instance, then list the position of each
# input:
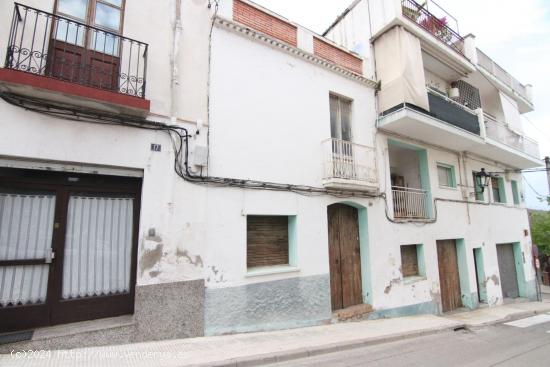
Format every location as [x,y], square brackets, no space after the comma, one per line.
[516,316]
[292,354]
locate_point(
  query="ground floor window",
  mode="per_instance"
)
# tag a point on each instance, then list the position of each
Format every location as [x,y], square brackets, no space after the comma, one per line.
[412,261]
[268,240]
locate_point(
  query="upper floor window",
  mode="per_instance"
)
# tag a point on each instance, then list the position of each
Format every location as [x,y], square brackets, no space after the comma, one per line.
[103,14]
[446,175]
[340,118]
[497,186]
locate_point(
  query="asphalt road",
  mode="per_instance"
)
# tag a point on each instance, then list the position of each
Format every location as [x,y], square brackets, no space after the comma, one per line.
[498,345]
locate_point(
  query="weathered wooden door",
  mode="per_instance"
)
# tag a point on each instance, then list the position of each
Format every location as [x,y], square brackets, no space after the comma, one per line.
[344,256]
[449,279]
[507,269]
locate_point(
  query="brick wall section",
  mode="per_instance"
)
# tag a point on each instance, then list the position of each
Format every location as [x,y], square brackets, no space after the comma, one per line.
[265,23]
[337,56]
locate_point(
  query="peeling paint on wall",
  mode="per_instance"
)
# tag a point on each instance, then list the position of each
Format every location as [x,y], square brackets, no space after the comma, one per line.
[196,261]
[151,254]
[494,278]
[393,282]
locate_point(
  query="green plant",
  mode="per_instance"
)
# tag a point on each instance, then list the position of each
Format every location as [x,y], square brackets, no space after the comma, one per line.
[540,231]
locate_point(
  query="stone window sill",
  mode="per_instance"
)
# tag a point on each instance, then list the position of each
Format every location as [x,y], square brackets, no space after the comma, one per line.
[268,270]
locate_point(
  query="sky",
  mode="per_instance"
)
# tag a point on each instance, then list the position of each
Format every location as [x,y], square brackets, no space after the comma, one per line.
[515,34]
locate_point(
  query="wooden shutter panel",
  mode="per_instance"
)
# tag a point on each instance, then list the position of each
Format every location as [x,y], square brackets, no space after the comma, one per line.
[267,241]
[409,261]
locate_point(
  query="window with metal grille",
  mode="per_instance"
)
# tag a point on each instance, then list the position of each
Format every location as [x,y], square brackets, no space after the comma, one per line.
[267,241]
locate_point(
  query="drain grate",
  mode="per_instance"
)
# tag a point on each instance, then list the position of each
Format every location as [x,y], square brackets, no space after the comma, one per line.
[16,337]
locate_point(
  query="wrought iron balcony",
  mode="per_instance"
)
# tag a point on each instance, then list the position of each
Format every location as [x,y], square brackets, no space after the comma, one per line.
[436,26]
[410,203]
[49,45]
[349,163]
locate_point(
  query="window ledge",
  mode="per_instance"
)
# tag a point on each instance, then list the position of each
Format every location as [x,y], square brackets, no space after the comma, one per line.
[413,279]
[447,187]
[268,270]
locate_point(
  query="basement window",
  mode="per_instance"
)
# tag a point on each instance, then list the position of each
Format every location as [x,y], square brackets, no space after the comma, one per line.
[269,241]
[412,261]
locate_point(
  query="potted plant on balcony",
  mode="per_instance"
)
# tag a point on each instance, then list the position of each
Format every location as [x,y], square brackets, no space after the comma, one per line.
[437,27]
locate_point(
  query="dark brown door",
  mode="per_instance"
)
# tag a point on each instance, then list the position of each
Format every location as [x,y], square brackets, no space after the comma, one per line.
[449,279]
[84,65]
[68,247]
[344,256]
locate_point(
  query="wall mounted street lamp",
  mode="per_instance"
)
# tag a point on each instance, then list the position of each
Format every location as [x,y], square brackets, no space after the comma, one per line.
[484,178]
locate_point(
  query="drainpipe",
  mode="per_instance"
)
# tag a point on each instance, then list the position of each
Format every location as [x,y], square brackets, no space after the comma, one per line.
[174,61]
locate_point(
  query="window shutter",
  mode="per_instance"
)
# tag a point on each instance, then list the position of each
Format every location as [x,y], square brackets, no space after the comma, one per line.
[267,241]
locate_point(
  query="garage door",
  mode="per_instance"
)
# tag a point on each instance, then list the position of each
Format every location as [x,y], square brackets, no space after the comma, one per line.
[67,247]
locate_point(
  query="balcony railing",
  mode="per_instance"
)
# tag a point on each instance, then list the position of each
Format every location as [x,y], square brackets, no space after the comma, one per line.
[501,133]
[57,47]
[498,72]
[453,112]
[410,203]
[436,26]
[348,161]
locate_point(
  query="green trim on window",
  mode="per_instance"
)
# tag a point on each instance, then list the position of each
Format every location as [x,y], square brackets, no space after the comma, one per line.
[420,259]
[515,192]
[292,241]
[502,190]
[451,169]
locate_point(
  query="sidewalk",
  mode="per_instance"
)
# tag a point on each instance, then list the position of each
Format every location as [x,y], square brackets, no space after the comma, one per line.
[255,348]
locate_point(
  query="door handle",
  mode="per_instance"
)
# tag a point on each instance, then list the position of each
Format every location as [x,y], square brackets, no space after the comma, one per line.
[50,255]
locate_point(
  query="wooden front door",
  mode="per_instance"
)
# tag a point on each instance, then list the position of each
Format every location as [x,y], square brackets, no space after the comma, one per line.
[344,256]
[68,247]
[449,279]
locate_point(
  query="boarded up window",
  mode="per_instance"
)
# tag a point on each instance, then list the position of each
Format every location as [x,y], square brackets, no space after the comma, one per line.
[266,240]
[409,261]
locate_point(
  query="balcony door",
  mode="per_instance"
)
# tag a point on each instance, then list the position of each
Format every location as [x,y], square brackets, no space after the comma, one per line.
[85,43]
[340,132]
[67,247]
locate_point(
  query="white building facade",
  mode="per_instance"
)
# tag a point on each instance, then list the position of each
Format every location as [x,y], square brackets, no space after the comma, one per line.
[197,168]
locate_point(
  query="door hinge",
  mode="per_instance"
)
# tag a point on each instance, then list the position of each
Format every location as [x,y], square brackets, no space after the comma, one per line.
[50,255]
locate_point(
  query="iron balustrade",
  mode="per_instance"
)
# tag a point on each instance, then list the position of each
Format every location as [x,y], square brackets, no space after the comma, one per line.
[53,46]
[410,203]
[349,161]
[436,26]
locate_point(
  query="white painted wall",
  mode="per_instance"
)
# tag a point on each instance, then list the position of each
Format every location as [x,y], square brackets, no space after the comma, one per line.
[269,114]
